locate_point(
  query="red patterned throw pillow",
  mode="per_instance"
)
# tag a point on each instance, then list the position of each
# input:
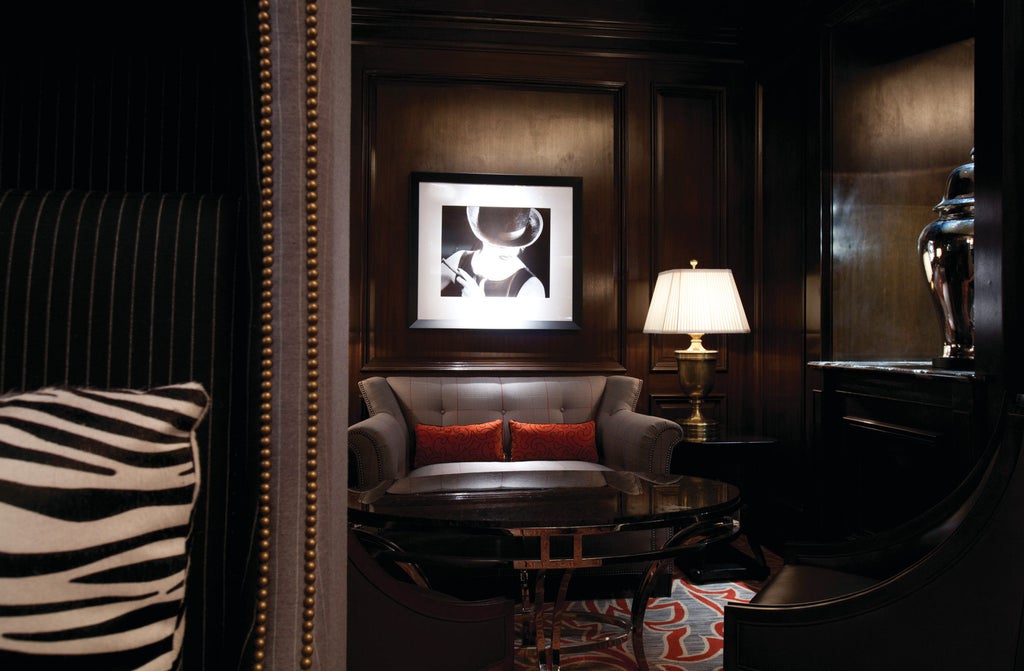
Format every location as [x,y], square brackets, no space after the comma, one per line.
[553,441]
[468,442]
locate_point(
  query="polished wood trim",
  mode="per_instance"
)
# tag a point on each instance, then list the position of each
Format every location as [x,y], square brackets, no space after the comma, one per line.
[710,32]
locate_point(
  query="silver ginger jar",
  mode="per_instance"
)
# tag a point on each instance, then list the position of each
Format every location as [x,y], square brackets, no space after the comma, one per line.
[946,247]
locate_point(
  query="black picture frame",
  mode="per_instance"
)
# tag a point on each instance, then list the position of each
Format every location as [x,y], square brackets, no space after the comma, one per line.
[514,242]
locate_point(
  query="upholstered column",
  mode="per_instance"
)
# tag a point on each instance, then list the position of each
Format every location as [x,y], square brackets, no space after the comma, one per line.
[298,53]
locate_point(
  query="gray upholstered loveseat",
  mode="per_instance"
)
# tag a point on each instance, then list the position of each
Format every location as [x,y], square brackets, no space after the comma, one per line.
[383,447]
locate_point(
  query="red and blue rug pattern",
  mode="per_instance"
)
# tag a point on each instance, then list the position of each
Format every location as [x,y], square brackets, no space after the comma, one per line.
[682,632]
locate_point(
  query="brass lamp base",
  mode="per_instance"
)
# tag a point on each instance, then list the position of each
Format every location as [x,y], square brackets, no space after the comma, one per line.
[696,378]
[697,427]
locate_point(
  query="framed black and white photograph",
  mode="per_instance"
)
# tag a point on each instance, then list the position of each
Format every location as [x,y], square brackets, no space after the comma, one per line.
[495,251]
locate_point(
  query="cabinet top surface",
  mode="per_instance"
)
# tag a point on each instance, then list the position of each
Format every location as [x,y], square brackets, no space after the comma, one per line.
[919,368]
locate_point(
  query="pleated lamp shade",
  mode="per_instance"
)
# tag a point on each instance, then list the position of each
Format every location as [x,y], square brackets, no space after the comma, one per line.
[696,301]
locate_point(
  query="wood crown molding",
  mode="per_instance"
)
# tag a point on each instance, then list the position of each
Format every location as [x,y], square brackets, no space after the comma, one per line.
[713,36]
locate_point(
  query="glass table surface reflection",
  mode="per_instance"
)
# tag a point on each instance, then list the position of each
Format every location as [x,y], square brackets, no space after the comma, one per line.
[535,521]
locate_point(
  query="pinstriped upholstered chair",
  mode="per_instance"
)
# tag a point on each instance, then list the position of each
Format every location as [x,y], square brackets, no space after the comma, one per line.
[138,291]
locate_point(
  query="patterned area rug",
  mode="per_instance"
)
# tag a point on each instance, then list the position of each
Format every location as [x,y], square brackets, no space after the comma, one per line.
[682,632]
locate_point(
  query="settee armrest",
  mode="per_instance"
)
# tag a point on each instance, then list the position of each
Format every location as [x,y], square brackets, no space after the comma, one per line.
[378,450]
[632,441]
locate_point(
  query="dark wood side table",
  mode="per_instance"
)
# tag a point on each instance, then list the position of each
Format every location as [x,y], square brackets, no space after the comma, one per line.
[747,462]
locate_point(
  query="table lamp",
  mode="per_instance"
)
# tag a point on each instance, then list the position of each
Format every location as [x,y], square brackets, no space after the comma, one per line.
[696,302]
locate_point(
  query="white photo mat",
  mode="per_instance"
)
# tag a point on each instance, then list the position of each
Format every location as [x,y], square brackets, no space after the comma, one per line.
[557,198]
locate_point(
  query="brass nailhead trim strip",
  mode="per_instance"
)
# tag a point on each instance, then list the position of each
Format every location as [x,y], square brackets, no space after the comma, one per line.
[266,210]
[312,329]
[267,340]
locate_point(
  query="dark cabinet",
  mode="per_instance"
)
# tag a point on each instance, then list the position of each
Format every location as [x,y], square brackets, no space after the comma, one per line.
[889,440]
[887,434]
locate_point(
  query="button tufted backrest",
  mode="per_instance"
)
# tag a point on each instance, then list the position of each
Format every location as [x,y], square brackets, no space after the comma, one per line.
[448,401]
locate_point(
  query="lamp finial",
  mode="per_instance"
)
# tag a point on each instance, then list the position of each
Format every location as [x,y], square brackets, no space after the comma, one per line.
[693,264]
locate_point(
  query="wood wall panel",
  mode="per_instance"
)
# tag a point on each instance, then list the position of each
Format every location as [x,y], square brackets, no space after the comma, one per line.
[789,313]
[489,126]
[703,189]
[662,134]
[898,133]
[689,187]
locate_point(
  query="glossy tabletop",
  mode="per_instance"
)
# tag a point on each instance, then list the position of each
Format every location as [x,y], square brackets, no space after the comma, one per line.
[518,500]
[538,520]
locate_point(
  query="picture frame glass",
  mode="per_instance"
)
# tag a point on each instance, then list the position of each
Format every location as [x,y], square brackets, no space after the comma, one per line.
[495,251]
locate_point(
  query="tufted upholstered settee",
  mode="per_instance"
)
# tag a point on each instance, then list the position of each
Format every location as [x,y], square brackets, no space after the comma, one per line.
[384,445]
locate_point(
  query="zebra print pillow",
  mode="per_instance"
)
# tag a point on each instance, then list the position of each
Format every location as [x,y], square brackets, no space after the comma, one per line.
[97,491]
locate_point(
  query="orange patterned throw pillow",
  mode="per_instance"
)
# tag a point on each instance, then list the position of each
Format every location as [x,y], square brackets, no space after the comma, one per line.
[469,442]
[553,441]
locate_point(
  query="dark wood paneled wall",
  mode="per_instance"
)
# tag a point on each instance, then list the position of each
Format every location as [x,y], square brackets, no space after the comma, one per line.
[787,67]
[728,136]
[454,122]
[658,117]
[999,92]
[901,124]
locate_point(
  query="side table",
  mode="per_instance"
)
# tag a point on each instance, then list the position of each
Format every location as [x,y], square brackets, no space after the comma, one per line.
[741,460]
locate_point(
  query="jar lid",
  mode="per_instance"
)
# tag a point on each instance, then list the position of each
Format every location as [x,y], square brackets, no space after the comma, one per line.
[959,198]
